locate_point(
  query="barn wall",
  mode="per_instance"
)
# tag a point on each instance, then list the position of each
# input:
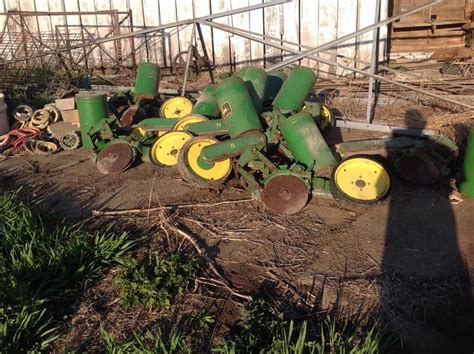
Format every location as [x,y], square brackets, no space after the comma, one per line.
[308,22]
[439,30]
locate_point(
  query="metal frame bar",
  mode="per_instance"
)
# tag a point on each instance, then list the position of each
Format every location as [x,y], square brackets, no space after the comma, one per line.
[373,63]
[383,128]
[204,52]
[60,13]
[188,60]
[306,54]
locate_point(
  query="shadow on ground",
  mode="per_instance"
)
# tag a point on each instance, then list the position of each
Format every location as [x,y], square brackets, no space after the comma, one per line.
[425,287]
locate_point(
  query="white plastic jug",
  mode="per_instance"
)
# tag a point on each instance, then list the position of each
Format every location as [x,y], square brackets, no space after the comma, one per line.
[4,125]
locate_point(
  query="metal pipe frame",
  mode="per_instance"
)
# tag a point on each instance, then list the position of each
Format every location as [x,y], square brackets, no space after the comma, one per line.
[166,26]
[61,13]
[360,61]
[244,34]
[188,60]
[373,63]
[204,52]
[39,45]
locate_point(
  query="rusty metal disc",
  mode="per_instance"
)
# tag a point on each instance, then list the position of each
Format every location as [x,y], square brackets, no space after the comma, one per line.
[132,115]
[285,194]
[417,169]
[114,158]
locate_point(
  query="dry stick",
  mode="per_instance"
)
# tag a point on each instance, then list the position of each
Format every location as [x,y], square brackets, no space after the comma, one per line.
[68,165]
[203,254]
[178,206]
[151,193]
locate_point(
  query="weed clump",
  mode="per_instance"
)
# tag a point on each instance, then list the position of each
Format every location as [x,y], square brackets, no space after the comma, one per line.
[156,281]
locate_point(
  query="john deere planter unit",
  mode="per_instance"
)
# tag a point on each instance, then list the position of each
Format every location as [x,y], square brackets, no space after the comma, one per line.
[276,157]
[145,101]
[109,128]
[112,152]
[281,156]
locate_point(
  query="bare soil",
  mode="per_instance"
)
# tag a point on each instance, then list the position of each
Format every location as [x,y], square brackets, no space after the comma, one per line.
[410,258]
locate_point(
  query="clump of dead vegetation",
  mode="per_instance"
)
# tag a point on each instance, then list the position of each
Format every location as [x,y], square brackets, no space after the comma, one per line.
[41,84]
[455,126]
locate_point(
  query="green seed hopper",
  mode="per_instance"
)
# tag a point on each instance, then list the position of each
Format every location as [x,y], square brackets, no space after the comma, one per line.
[92,107]
[147,82]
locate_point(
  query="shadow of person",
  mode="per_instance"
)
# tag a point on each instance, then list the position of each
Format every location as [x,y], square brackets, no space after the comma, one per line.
[425,291]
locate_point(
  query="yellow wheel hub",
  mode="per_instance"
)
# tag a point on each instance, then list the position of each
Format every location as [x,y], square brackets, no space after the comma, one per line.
[362,179]
[214,171]
[176,107]
[326,117]
[193,118]
[166,149]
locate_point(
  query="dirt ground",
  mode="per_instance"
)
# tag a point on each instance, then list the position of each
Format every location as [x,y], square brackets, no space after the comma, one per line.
[411,257]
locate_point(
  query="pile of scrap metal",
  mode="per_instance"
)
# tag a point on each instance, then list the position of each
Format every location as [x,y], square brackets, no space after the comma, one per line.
[38,132]
[463,67]
[264,129]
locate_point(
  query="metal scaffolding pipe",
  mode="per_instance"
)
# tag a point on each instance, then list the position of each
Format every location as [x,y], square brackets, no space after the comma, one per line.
[373,62]
[244,34]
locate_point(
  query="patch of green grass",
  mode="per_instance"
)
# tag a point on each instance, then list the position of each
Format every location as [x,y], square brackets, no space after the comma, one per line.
[157,280]
[200,321]
[261,329]
[149,342]
[157,340]
[43,265]
[25,329]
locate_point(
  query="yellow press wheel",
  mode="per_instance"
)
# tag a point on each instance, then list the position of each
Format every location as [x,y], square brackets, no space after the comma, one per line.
[326,117]
[360,179]
[198,172]
[192,118]
[165,150]
[176,107]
